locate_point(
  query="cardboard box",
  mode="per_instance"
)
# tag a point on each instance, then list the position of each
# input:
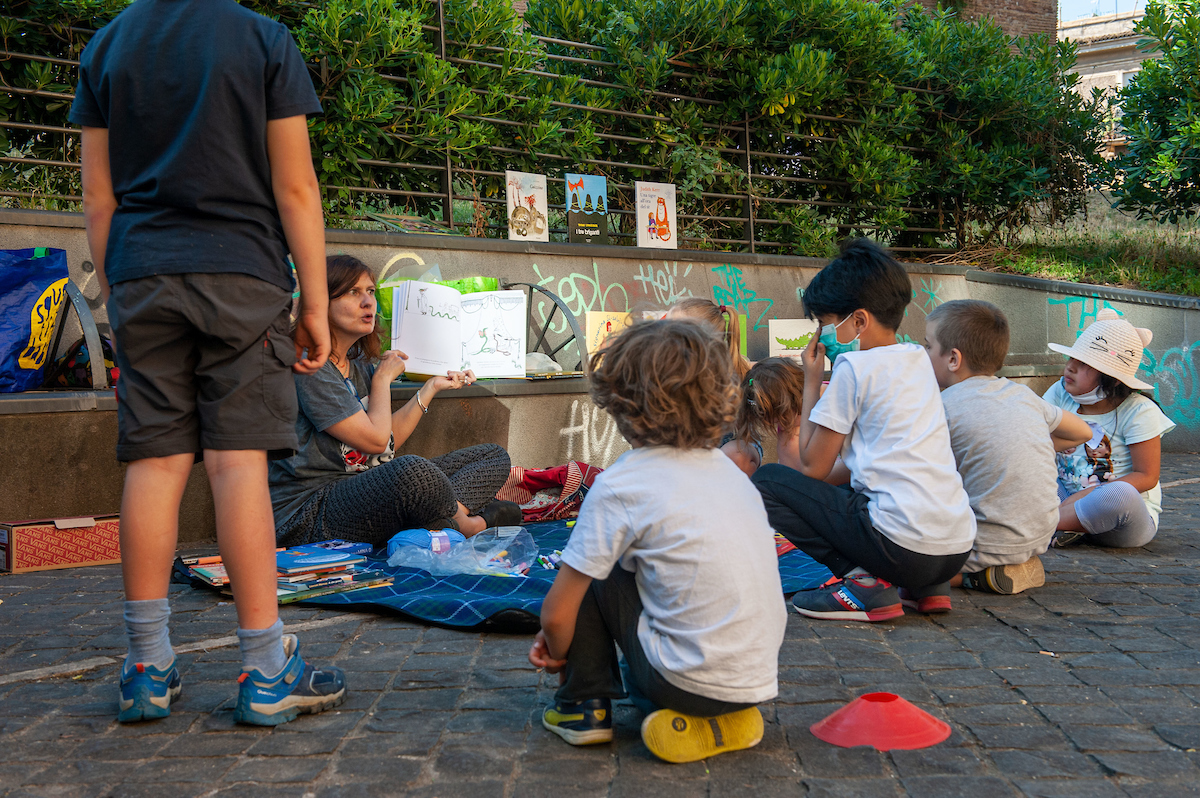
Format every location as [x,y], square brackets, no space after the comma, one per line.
[59,543]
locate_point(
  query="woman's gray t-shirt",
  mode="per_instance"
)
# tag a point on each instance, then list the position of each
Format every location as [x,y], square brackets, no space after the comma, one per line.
[325,398]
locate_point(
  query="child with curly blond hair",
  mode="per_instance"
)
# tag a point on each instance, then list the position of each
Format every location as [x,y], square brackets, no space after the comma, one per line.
[687,587]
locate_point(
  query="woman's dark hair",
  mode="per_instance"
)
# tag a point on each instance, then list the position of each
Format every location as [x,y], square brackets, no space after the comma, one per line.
[341,273]
[862,276]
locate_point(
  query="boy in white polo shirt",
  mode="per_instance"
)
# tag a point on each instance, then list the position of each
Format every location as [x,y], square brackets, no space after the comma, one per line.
[906,520]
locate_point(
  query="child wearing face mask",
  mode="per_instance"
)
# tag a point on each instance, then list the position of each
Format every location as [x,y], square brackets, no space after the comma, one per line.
[1100,384]
[904,519]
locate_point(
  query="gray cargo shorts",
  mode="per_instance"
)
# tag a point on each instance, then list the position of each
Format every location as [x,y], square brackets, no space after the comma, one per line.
[205,363]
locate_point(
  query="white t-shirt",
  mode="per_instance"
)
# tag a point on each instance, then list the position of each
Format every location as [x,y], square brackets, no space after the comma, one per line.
[1000,432]
[886,402]
[1106,457]
[692,528]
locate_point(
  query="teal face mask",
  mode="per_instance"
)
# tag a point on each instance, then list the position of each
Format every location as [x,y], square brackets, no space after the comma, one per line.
[834,347]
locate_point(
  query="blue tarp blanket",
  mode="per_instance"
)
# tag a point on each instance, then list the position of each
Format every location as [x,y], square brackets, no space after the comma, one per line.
[497,603]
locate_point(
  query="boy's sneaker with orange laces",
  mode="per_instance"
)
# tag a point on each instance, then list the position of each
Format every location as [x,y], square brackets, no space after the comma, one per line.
[854,598]
[147,692]
[929,600]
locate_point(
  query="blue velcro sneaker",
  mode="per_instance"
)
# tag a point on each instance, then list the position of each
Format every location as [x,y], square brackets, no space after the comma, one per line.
[855,598]
[147,692]
[580,722]
[298,689]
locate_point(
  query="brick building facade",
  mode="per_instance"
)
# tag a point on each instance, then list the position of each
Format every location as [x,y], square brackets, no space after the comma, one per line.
[1016,17]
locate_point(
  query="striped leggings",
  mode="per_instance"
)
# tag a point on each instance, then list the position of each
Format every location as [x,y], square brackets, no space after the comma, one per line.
[1115,515]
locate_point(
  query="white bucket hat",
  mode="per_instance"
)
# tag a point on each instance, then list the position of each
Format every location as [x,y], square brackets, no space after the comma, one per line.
[1112,346]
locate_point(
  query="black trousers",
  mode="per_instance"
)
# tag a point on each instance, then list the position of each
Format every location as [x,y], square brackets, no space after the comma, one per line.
[831,524]
[608,617]
[408,491]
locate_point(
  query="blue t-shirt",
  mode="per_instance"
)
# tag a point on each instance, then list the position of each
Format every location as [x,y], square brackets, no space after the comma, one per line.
[185,89]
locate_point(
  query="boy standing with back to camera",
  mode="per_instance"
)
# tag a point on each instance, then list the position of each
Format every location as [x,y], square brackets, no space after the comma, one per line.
[197,182]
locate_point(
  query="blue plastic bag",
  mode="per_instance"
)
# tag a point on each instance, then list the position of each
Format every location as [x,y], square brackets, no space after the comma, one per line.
[32,294]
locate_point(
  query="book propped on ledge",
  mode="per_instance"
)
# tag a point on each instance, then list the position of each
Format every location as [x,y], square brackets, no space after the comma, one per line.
[441,329]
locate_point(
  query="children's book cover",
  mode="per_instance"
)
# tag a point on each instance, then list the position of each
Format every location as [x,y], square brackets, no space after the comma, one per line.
[657,225]
[527,206]
[290,561]
[587,209]
[598,325]
[790,337]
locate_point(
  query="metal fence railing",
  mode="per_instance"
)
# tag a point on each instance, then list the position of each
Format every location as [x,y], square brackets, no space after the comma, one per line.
[777,169]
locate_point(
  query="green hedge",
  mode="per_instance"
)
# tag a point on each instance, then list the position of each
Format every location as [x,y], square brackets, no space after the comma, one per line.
[879,108]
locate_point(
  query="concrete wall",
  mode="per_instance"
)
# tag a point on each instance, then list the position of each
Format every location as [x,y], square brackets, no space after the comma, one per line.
[57,462]
[1042,311]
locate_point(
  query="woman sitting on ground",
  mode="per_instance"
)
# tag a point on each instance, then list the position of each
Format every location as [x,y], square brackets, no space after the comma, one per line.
[346,481]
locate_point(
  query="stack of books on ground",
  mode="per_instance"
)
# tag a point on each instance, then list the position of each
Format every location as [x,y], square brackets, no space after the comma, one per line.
[318,569]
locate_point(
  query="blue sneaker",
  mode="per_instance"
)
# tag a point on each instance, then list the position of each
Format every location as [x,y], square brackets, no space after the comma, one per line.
[147,692]
[855,598]
[580,722]
[299,689]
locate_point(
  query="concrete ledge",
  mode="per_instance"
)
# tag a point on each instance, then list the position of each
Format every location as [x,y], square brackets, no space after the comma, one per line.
[494,245]
[1084,289]
[56,402]
[404,389]
[1031,370]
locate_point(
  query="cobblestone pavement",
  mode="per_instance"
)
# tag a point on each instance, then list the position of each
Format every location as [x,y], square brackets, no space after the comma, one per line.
[1089,686]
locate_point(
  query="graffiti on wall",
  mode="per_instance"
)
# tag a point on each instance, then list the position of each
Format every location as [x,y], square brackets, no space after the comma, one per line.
[1176,378]
[1175,375]
[1082,312]
[929,294]
[734,291]
[659,284]
[581,293]
[592,435]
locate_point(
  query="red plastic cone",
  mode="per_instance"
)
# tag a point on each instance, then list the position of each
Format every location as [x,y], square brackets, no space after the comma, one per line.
[884,721]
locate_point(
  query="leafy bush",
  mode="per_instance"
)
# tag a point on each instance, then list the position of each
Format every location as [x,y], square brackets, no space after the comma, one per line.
[1160,112]
[891,121]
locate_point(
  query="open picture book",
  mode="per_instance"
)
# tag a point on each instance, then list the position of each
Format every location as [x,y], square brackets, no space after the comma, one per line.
[441,329]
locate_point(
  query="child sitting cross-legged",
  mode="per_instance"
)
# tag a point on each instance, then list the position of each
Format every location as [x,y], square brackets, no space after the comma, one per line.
[1004,437]
[672,559]
[905,521]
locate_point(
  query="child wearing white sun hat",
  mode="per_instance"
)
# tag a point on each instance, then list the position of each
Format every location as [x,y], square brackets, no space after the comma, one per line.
[1109,486]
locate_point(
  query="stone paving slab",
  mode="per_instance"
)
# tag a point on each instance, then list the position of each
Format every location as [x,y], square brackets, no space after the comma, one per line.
[1088,687]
